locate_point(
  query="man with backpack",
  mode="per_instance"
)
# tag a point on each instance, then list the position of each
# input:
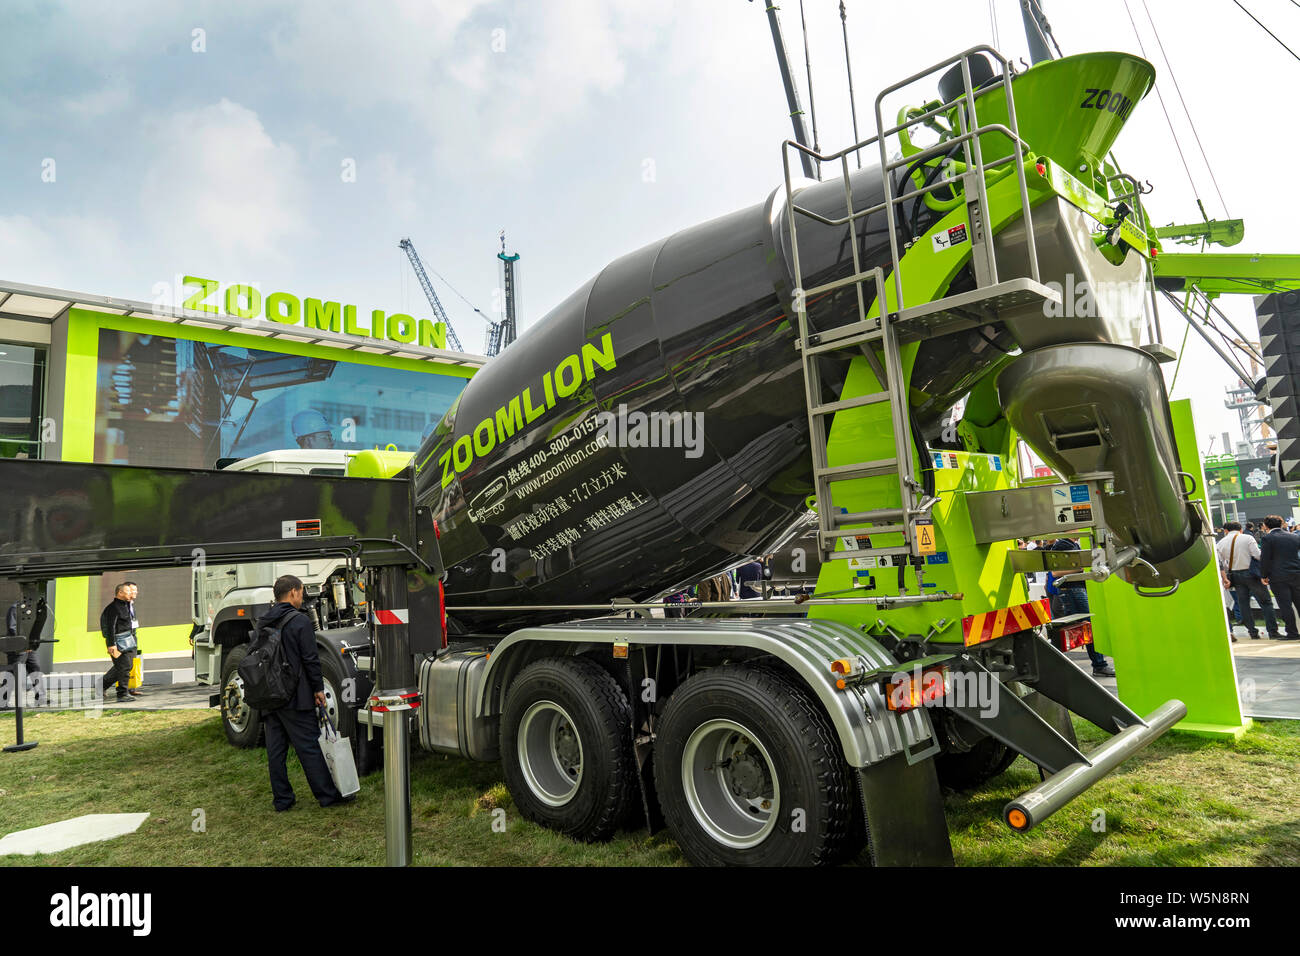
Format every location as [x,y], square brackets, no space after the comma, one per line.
[295,722]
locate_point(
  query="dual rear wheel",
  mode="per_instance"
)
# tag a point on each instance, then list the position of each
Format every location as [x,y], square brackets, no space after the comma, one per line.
[747,768]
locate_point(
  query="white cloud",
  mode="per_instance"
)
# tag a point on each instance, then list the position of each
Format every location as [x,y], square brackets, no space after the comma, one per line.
[471,75]
[37,252]
[217,180]
[400,188]
[111,98]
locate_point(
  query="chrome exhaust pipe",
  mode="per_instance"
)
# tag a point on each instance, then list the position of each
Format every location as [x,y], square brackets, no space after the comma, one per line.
[1034,806]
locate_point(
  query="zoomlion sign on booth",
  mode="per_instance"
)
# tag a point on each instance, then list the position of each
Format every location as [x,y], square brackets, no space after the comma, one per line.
[215,373]
[284,308]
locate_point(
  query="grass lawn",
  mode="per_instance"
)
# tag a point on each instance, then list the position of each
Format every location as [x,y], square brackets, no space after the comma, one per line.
[1183,801]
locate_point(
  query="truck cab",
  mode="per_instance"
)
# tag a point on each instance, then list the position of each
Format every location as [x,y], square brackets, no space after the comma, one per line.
[227,599]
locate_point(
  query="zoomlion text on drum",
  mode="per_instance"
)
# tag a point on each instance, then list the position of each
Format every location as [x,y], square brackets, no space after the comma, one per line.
[571,372]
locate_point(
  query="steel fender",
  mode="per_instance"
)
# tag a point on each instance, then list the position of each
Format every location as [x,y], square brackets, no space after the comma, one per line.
[869,732]
[254,603]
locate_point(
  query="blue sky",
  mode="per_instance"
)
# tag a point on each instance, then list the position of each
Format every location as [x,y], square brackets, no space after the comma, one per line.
[584,129]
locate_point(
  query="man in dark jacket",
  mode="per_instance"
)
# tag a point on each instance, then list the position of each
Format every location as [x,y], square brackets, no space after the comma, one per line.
[1072,598]
[115,626]
[1279,568]
[750,577]
[296,722]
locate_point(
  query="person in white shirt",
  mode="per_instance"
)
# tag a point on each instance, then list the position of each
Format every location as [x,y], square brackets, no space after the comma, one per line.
[1236,549]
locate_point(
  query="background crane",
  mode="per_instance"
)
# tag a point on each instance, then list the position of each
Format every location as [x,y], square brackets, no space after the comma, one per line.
[439,313]
[501,334]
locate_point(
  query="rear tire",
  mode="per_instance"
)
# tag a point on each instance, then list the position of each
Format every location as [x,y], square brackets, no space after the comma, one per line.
[242,723]
[566,748]
[749,772]
[984,761]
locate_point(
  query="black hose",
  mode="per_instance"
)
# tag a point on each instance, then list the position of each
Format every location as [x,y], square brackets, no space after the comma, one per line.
[926,183]
[923,451]
[993,342]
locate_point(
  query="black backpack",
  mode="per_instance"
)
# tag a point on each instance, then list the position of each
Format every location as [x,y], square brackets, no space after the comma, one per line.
[269,682]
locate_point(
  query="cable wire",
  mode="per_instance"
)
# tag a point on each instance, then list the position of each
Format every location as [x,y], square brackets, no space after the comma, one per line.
[812,103]
[1267,30]
[1159,97]
[1046,27]
[458,295]
[848,69]
[1186,112]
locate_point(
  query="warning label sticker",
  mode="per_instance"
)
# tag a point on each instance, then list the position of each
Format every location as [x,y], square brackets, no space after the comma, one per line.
[304,528]
[925,542]
[1074,514]
[949,238]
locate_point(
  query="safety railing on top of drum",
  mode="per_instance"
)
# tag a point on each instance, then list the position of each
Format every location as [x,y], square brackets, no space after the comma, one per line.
[973,181]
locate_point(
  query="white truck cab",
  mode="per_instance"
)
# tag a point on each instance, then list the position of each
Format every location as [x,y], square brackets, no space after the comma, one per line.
[228,598]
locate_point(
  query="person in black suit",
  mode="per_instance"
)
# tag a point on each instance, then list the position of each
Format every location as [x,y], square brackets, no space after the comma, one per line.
[1279,568]
[115,626]
[296,723]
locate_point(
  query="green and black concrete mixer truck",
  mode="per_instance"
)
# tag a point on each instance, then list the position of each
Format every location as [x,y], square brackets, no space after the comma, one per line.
[687,408]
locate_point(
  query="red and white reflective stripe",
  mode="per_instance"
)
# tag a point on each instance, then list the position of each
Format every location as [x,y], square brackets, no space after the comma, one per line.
[393,615]
[393,703]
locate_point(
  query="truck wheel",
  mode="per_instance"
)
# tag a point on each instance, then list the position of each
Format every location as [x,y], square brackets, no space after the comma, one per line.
[565,747]
[984,761]
[243,724]
[749,773]
[344,716]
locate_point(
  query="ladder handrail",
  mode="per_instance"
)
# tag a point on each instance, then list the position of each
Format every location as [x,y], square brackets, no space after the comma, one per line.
[866,331]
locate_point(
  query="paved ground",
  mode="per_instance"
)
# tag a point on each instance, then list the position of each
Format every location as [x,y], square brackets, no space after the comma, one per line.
[1268,673]
[173,697]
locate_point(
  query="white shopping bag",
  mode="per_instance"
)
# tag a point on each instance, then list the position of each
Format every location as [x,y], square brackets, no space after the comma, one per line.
[338,755]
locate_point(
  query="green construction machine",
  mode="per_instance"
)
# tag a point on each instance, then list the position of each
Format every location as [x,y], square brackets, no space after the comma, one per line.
[874,344]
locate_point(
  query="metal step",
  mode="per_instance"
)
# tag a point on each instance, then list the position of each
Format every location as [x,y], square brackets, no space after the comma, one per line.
[840,343]
[896,528]
[864,469]
[841,519]
[984,306]
[828,538]
[831,407]
[871,552]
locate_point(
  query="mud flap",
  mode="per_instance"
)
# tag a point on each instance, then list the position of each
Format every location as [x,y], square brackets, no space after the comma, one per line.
[643,752]
[903,806]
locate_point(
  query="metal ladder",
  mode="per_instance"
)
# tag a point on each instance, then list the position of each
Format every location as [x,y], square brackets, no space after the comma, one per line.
[864,335]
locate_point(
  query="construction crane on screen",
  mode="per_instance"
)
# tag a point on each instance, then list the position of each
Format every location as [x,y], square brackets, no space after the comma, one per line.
[499,334]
